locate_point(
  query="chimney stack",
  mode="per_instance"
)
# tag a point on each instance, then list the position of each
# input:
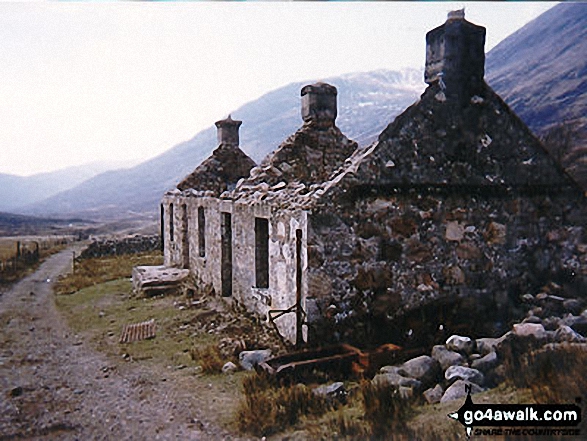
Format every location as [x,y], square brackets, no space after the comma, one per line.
[455,57]
[228,131]
[319,104]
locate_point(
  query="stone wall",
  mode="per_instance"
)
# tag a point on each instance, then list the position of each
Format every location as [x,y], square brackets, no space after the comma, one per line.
[207,269]
[118,247]
[384,265]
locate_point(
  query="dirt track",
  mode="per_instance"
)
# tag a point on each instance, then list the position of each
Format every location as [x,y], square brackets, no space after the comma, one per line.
[54,386]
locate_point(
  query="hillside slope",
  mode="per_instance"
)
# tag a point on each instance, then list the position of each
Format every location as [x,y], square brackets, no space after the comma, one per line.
[541,72]
[367,102]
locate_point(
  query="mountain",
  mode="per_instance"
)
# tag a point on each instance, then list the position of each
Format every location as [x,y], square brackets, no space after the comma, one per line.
[367,102]
[19,225]
[19,191]
[541,72]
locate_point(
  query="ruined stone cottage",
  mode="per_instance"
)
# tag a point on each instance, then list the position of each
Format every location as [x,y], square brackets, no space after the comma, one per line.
[446,220]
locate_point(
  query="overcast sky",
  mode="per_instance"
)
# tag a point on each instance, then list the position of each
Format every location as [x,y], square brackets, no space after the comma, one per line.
[84,82]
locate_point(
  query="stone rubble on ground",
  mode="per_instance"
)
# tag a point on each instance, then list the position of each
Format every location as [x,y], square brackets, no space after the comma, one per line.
[249,359]
[229,368]
[463,361]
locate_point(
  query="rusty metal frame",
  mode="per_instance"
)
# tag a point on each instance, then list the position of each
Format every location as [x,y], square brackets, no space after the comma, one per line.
[274,314]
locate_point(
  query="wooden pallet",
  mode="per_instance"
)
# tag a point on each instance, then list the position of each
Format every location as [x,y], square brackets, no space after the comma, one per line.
[138,331]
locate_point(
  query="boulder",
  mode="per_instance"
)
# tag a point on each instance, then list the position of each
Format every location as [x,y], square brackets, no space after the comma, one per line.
[532,319]
[249,359]
[579,324]
[446,358]
[486,345]
[551,323]
[334,391]
[434,394]
[573,306]
[389,370]
[460,344]
[455,373]
[565,333]
[457,390]
[486,362]
[396,381]
[535,330]
[229,368]
[423,368]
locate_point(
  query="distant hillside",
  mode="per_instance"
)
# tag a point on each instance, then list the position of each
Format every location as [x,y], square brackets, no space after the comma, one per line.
[541,72]
[367,103]
[19,191]
[19,225]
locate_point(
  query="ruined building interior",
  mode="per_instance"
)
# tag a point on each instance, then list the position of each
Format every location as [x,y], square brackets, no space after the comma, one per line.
[448,218]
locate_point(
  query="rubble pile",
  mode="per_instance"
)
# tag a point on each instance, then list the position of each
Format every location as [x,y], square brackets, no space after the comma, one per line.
[480,363]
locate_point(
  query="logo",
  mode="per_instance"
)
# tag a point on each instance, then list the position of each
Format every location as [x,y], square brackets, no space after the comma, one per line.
[515,418]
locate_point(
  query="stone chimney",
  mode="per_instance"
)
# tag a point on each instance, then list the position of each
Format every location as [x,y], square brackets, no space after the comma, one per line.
[319,104]
[455,56]
[228,131]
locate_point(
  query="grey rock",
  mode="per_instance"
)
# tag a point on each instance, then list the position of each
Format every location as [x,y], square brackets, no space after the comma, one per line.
[389,370]
[446,357]
[434,394]
[455,373]
[535,330]
[551,323]
[423,368]
[573,306]
[474,357]
[249,359]
[580,324]
[460,344]
[486,363]
[396,380]
[229,368]
[532,319]
[457,390]
[486,345]
[334,391]
[566,334]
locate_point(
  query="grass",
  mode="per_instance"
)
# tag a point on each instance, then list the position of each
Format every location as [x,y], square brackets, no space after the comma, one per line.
[89,272]
[554,375]
[267,408]
[251,404]
[98,314]
[8,249]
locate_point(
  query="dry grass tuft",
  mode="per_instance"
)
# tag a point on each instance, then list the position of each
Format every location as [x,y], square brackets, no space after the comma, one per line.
[267,408]
[555,374]
[385,411]
[341,426]
[209,358]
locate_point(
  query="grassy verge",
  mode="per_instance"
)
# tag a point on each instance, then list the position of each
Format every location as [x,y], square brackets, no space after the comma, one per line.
[23,268]
[89,272]
[99,312]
